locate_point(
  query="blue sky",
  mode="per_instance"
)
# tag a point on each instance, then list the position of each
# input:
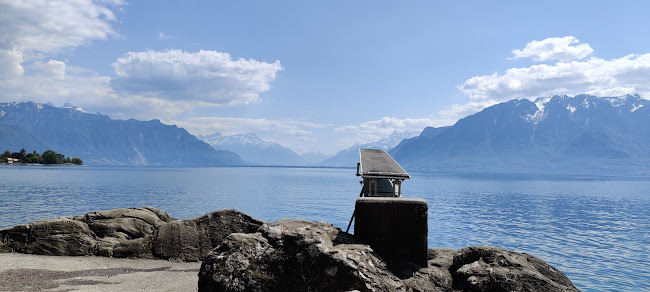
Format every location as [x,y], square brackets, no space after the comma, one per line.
[316,75]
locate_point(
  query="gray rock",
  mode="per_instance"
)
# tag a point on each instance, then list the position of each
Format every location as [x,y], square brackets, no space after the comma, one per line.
[192,239]
[486,268]
[61,236]
[128,232]
[436,277]
[122,232]
[294,255]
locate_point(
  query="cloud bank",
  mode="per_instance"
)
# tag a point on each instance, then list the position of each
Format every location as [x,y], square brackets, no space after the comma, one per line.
[146,85]
[375,130]
[47,26]
[562,49]
[208,76]
[624,75]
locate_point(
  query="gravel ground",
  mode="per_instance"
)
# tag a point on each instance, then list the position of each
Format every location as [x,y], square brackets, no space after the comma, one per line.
[23,272]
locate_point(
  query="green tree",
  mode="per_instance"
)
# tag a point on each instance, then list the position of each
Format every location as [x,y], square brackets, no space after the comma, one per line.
[49,157]
[77,161]
[6,154]
[22,155]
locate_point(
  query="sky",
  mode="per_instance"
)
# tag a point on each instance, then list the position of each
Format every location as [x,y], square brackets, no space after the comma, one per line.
[316,75]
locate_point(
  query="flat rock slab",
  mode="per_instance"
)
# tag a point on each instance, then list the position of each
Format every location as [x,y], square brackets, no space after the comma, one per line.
[24,272]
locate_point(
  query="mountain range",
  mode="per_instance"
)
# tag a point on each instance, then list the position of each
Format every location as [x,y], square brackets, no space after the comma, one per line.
[99,140]
[254,150]
[583,134]
[555,134]
[350,156]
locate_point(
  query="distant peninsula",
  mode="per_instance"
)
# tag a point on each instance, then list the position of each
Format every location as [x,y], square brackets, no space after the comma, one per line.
[48,157]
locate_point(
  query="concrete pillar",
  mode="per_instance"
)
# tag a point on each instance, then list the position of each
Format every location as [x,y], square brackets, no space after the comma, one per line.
[395,228]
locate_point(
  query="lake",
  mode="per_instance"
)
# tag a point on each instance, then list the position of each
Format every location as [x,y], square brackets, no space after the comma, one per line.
[594,229]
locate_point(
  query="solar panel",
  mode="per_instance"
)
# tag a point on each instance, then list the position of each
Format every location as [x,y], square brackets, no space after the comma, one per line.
[376,163]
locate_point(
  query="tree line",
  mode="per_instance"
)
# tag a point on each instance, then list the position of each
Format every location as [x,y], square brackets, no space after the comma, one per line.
[48,157]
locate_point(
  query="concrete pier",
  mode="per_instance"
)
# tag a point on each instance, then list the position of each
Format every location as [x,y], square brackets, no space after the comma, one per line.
[396,228]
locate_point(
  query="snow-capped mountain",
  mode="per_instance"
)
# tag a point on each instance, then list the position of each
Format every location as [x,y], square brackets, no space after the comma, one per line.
[97,139]
[254,150]
[350,156]
[554,134]
[314,156]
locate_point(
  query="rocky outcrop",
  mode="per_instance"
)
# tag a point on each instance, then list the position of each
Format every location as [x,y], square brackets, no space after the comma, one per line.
[294,255]
[62,236]
[240,253]
[485,268]
[192,239]
[125,232]
[128,232]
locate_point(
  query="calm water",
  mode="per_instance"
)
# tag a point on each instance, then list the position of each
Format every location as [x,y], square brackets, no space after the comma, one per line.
[595,230]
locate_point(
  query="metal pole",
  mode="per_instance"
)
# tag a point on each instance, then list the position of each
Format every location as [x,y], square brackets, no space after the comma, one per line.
[352,218]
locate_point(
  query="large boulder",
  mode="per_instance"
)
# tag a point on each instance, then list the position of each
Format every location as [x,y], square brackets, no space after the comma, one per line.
[62,236]
[486,268]
[125,232]
[436,276]
[294,255]
[192,239]
[144,232]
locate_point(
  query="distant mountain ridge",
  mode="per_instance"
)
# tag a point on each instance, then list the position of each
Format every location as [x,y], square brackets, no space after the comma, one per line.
[554,134]
[254,150]
[314,156]
[350,156]
[99,140]
[14,138]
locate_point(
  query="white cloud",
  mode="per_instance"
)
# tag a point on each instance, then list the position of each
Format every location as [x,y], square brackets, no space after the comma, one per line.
[374,130]
[11,64]
[32,33]
[629,74]
[163,36]
[231,126]
[615,91]
[31,29]
[48,26]
[209,76]
[459,111]
[53,69]
[562,49]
